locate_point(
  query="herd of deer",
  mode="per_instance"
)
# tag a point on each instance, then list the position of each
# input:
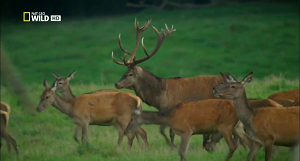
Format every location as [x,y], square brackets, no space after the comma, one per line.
[216,106]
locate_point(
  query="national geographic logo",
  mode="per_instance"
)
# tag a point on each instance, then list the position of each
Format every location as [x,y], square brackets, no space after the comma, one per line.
[39,17]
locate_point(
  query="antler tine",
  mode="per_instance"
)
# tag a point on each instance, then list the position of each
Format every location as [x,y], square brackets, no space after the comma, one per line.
[138,35]
[120,63]
[121,46]
[160,40]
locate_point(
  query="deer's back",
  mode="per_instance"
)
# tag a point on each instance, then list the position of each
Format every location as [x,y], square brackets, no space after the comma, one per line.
[291,94]
[203,116]
[182,90]
[264,103]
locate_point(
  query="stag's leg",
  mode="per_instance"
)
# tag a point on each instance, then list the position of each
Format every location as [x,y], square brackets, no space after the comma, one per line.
[143,134]
[8,146]
[172,137]
[77,130]
[162,132]
[227,134]
[268,149]
[85,133]
[254,148]
[184,145]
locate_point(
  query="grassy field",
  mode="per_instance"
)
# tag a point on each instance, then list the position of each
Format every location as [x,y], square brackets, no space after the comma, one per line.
[49,135]
[259,38]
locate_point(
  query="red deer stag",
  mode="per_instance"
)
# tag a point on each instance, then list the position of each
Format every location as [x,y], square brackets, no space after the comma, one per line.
[199,117]
[210,141]
[265,126]
[63,87]
[100,108]
[161,93]
[4,116]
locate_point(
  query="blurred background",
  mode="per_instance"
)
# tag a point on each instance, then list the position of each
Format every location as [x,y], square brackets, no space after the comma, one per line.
[236,36]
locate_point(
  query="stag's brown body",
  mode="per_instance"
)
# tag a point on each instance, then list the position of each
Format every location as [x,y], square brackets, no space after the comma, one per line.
[161,93]
[265,126]
[199,117]
[285,95]
[4,118]
[106,108]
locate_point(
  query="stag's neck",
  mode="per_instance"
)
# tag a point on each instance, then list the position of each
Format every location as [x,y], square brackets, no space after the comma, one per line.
[67,94]
[244,111]
[63,105]
[149,117]
[149,88]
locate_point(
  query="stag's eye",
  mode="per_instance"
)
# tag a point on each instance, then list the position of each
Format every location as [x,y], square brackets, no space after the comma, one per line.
[60,83]
[130,74]
[221,83]
[47,97]
[232,86]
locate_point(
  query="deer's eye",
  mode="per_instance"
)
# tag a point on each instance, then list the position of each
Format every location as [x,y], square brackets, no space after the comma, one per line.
[232,86]
[47,97]
[130,74]
[60,83]
[221,83]
[131,119]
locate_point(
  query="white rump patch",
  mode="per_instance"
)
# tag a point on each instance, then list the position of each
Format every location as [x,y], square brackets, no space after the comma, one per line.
[138,112]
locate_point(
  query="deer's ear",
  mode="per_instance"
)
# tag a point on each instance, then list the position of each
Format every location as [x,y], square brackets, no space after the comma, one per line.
[138,69]
[53,88]
[71,76]
[56,76]
[46,84]
[248,78]
[227,78]
[231,78]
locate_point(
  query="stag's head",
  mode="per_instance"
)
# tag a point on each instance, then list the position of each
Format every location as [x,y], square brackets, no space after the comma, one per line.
[230,87]
[129,79]
[47,97]
[63,83]
[135,122]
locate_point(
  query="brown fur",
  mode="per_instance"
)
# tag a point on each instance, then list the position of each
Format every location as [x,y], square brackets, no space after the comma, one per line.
[266,126]
[199,117]
[285,95]
[161,93]
[4,118]
[209,142]
[107,108]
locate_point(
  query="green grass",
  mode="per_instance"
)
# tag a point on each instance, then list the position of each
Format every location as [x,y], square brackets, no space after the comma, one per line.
[262,38]
[49,135]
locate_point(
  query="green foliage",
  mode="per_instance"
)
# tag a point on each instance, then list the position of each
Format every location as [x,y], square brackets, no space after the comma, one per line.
[259,38]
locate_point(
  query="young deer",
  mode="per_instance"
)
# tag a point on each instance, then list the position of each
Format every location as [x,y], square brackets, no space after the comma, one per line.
[64,88]
[199,117]
[265,126]
[100,108]
[4,118]
[210,141]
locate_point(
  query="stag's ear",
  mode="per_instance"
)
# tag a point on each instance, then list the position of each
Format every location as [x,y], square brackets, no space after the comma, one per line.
[248,78]
[232,79]
[56,76]
[53,88]
[46,84]
[71,76]
[138,69]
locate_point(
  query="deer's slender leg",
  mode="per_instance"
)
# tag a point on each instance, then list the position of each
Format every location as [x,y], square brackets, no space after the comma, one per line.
[85,133]
[143,134]
[77,130]
[254,148]
[184,145]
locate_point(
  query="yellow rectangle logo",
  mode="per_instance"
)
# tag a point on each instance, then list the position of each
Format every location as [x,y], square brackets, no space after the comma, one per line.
[24,16]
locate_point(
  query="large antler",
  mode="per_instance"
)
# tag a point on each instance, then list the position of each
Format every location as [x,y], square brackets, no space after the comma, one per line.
[161,36]
[138,35]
